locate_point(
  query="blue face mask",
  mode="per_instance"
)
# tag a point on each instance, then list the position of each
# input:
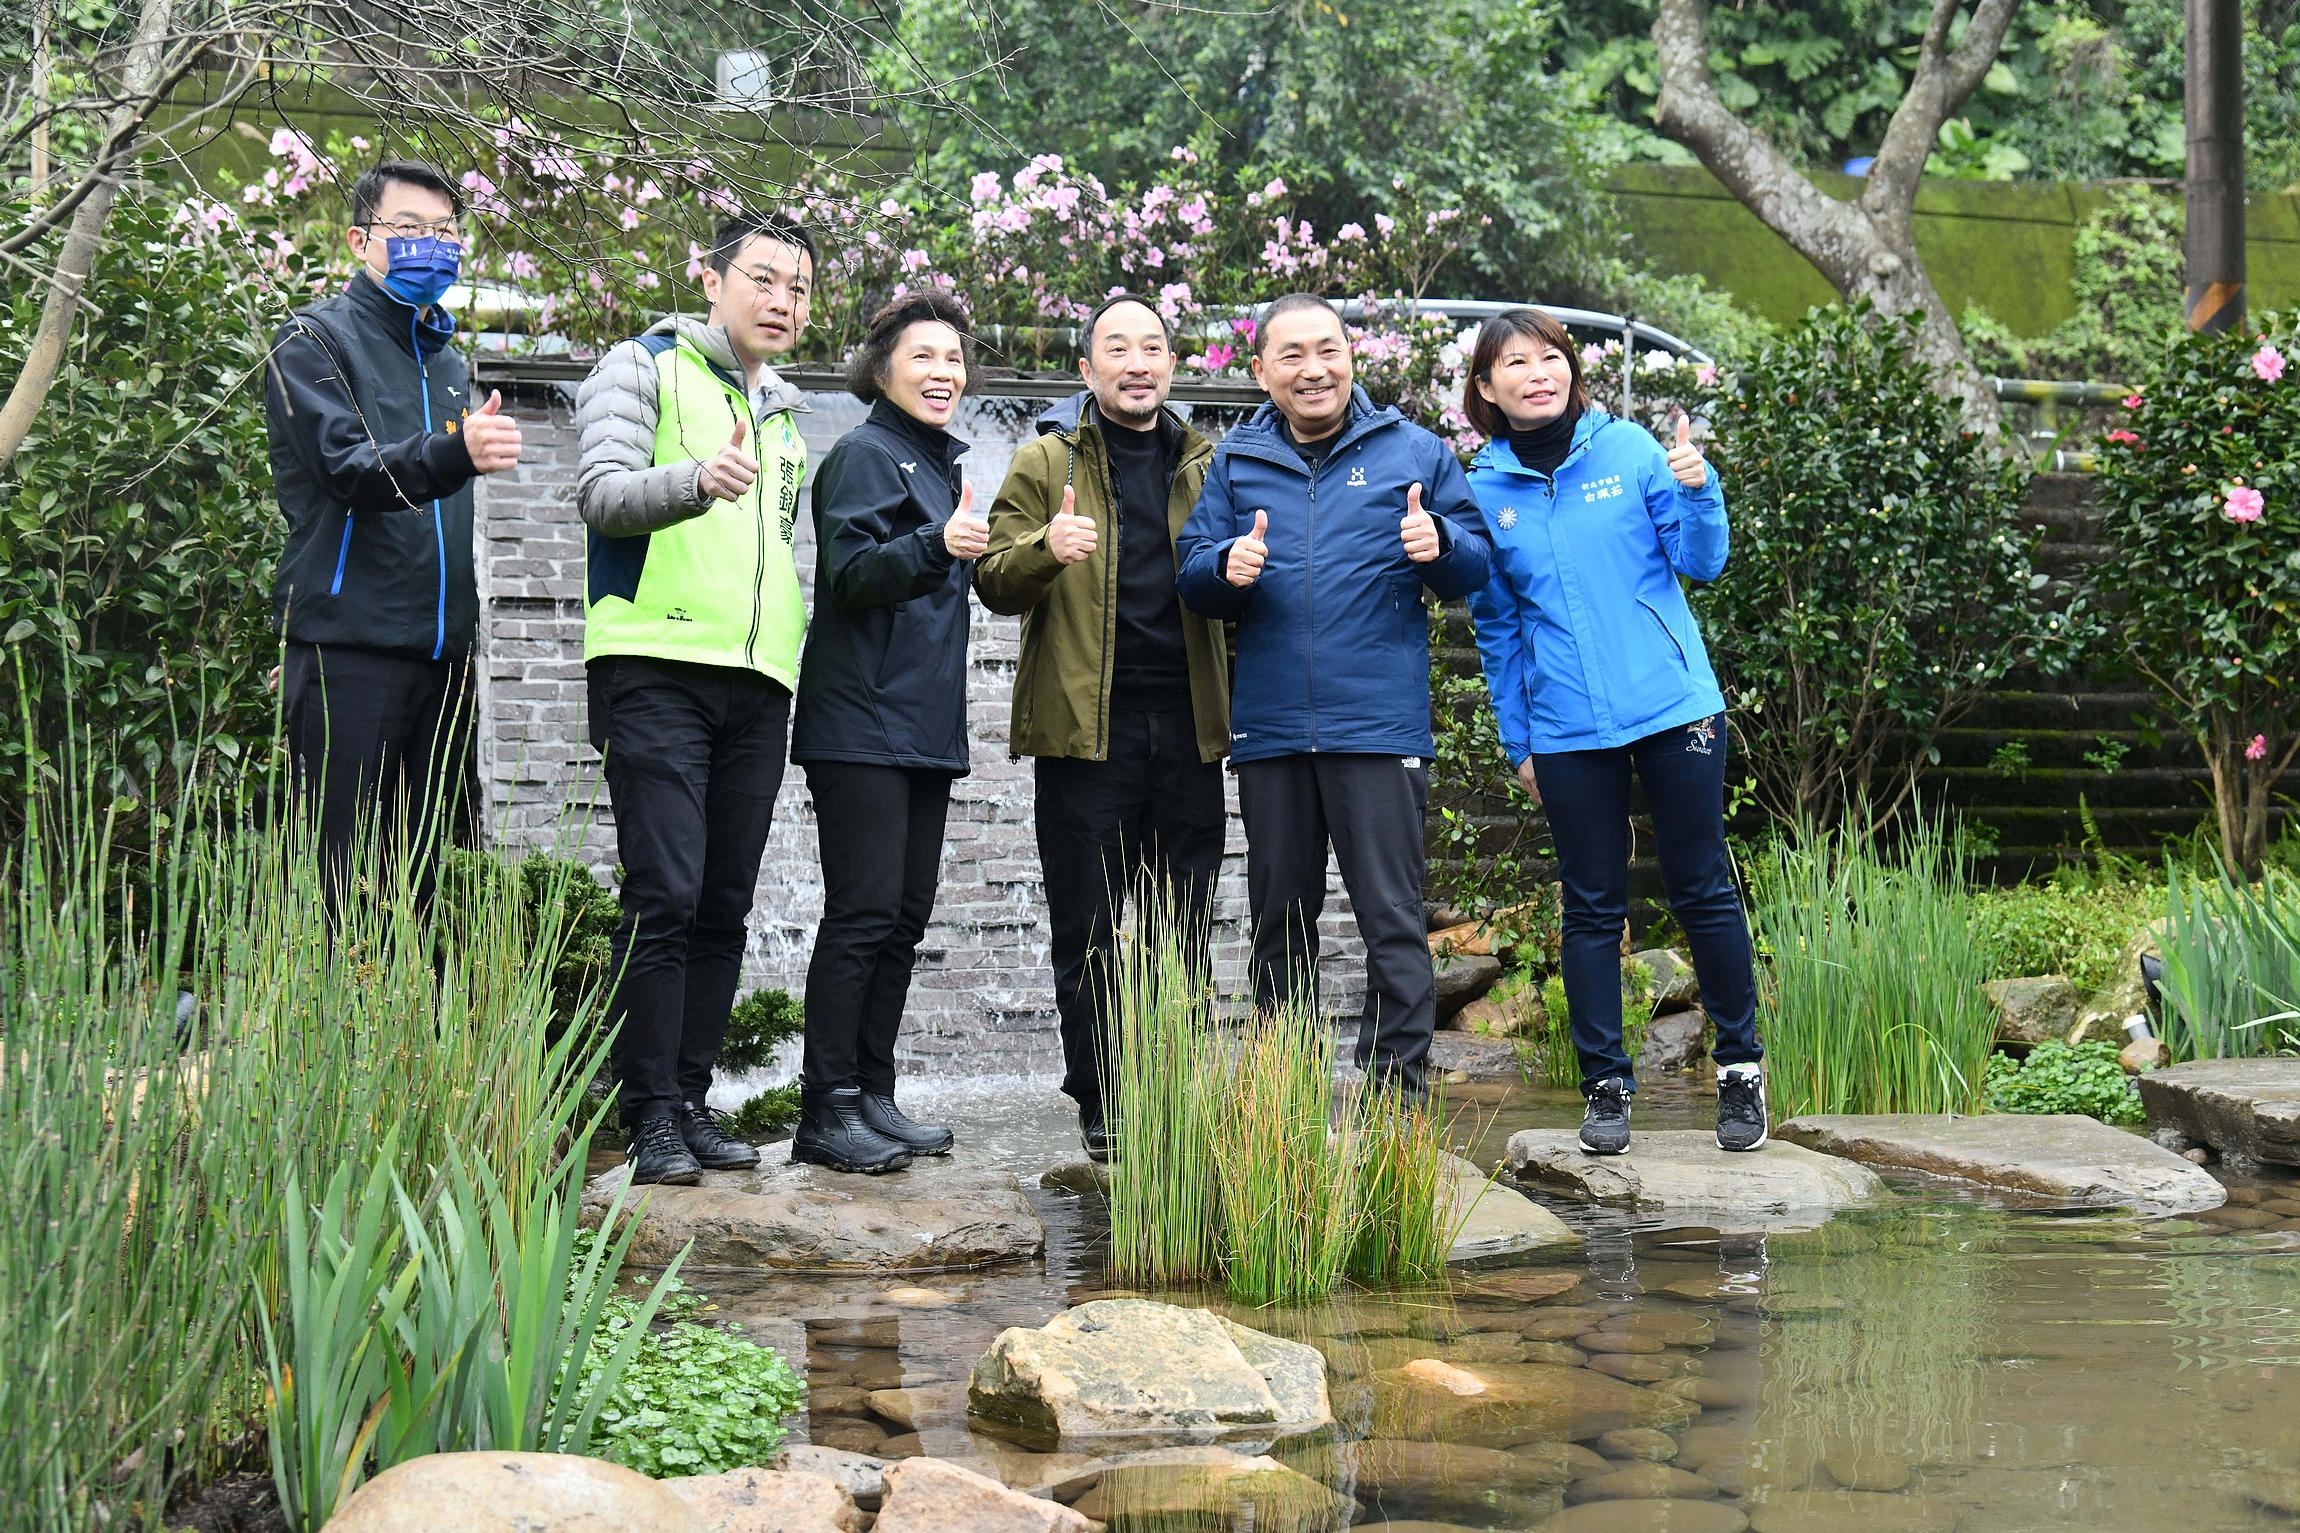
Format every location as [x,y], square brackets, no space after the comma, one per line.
[420,271]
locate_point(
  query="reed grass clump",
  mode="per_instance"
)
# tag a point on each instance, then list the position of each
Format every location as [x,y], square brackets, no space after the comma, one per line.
[2232,963]
[1874,1000]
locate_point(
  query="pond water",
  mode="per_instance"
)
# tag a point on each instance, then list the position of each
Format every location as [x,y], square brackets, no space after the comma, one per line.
[1966,1365]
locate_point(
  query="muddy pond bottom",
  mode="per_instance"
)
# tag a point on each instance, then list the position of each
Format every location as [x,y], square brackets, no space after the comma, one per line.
[1942,1365]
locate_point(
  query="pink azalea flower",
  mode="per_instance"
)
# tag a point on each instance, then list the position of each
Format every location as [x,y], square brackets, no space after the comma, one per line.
[1705,375]
[1385,225]
[1216,357]
[985,187]
[2267,363]
[2244,504]
[629,217]
[2123,436]
[2258,749]
[1276,188]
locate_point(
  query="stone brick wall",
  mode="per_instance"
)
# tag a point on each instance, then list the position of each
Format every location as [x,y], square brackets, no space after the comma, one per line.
[983,1000]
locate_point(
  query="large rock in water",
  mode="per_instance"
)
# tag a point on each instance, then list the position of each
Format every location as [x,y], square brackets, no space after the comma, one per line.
[1493,1219]
[765,1501]
[1493,1405]
[513,1493]
[2240,1107]
[2037,1009]
[782,1217]
[2061,1158]
[925,1495]
[1213,1488]
[1683,1171]
[1134,1368]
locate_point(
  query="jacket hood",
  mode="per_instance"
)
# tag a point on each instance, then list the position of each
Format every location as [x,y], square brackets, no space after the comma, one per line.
[1063,418]
[1500,455]
[775,393]
[1266,427]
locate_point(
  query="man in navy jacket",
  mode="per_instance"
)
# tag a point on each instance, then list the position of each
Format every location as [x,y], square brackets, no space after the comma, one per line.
[1321,520]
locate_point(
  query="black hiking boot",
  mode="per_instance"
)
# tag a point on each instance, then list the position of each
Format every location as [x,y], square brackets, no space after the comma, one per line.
[1740,1107]
[709,1142]
[833,1133]
[1098,1134]
[659,1155]
[1605,1122]
[879,1111]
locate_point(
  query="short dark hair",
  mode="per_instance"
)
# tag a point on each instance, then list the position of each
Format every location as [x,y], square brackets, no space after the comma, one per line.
[1117,299]
[867,369]
[1515,325]
[367,191]
[1291,303]
[734,232]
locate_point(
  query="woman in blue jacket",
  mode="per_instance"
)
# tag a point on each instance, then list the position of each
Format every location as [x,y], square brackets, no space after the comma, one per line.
[1596,669]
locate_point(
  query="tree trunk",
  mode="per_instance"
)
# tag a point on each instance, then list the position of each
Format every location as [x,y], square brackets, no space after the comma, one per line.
[1866,249]
[83,240]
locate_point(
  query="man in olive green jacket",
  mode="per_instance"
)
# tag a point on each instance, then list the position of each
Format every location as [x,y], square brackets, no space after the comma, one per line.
[1122,695]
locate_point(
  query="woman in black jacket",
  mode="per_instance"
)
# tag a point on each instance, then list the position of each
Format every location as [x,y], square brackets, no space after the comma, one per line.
[880,722]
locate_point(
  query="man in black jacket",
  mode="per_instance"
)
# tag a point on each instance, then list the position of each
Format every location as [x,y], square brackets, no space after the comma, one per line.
[374,444]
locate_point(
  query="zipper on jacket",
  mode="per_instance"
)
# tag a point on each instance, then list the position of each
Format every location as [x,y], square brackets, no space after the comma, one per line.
[342,554]
[1310,606]
[759,564]
[1109,603]
[438,522]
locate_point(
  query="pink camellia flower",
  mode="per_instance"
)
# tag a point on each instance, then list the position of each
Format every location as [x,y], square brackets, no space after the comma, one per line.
[2258,749]
[2243,504]
[2267,363]
[2132,400]
[2121,435]
[1705,375]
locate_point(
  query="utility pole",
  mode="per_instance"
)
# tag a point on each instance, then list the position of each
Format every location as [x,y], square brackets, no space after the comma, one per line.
[2215,115]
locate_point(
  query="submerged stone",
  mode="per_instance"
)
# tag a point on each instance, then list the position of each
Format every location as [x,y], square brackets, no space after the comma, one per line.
[2243,1107]
[1501,1403]
[2064,1158]
[1682,1170]
[1133,1367]
[1836,1511]
[1647,1517]
[1458,1480]
[1220,1490]
[781,1217]
[1643,1482]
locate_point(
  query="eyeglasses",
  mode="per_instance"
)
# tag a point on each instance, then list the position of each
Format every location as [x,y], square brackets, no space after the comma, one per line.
[417,228]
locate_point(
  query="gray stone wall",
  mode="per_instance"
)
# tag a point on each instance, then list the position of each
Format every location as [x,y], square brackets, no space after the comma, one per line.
[983,1001]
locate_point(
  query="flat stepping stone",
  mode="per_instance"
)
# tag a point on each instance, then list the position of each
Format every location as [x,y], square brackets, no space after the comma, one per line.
[1683,1171]
[2062,1158]
[2240,1107]
[785,1218]
[1499,1220]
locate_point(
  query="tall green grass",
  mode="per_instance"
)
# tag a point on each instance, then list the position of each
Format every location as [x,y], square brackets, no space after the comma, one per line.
[2232,963]
[1237,1162]
[1874,1002]
[145,1166]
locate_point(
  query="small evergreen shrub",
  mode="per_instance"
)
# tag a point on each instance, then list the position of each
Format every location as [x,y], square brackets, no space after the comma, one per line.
[761,1023]
[2067,925]
[2064,1078]
[767,1113]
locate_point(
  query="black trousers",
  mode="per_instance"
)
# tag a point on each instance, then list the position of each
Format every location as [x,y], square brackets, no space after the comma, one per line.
[383,759]
[694,758]
[880,831]
[1148,820]
[1370,808]
[1587,794]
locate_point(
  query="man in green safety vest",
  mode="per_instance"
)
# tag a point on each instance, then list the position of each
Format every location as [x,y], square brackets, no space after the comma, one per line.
[689,490]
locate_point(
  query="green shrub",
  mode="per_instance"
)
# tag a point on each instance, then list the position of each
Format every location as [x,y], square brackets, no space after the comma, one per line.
[694,1399]
[2064,1078]
[138,529]
[1881,576]
[767,1113]
[761,1023]
[2200,506]
[550,891]
[2066,925]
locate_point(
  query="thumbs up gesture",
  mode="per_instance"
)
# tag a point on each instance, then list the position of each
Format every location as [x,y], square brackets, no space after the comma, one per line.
[1685,460]
[1070,537]
[1419,532]
[728,472]
[1247,553]
[965,534]
[491,437]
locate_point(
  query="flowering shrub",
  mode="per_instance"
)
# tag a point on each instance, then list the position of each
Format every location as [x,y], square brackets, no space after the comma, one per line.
[1881,577]
[2200,499]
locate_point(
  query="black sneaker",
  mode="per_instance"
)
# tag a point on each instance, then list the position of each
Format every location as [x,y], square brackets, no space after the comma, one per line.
[832,1133]
[659,1155]
[1098,1137]
[1740,1107]
[708,1140]
[879,1111]
[1605,1121]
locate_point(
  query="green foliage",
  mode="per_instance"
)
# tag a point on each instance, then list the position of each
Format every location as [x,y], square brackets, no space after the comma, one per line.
[694,1399]
[767,1113]
[1552,1059]
[2208,601]
[2127,290]
[552,892]
[1165,1204]
[1351,105]
[2064,1078]
[1881,575]
[1873,1002]
[2232,963]
[1289,1184]
[761,1023]
[146,1251]
[137,528]
[1484,827]
[2069,924]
